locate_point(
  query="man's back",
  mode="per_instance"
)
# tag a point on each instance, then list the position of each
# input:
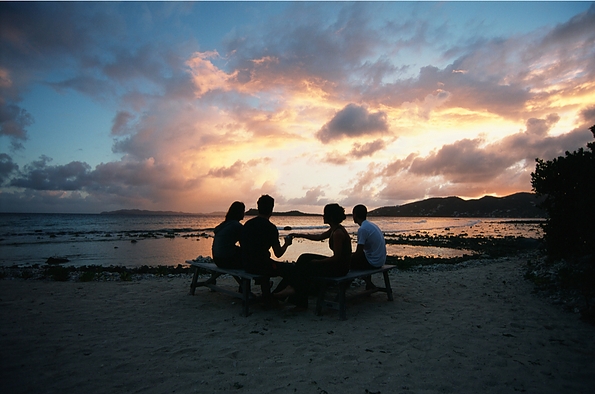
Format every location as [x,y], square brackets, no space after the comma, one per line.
[258,236]
[370,235]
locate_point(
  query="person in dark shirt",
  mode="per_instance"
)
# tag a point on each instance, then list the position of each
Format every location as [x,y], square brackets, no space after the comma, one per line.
[309,265]
[259,235]
[226,252]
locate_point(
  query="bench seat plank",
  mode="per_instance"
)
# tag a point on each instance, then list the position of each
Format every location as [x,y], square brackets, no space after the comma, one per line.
[339,302]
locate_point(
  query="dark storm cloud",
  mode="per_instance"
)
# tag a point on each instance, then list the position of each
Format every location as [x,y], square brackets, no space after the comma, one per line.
[7,167]
[353,121]
[588,115]
[41,176]
[14,121]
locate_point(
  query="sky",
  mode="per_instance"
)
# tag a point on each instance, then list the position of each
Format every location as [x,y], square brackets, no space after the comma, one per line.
[183,106]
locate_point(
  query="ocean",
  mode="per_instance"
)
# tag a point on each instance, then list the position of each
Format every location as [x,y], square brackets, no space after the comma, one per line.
[134,241]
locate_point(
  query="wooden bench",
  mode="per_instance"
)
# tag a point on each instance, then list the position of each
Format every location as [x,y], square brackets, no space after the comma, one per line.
[244,279]
[343,283]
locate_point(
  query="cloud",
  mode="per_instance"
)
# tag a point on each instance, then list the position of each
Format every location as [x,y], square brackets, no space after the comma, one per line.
[588,115]
[206,76]
[7,167]
[353,121]
[192,122]
[41,176]
[367,149]
[475,161]
[237,169]
[13,123]
[120,123]
[313,197]
[467,167]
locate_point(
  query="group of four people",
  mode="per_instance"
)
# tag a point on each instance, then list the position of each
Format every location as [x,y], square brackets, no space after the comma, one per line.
[258,235]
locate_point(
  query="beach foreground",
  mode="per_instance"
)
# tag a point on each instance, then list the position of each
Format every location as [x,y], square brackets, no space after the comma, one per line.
[477,329]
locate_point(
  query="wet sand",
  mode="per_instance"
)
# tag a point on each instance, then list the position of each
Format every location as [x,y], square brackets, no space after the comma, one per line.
[477,329]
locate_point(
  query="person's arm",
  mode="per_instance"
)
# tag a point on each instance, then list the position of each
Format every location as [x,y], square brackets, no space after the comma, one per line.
[313,237]
[280,250]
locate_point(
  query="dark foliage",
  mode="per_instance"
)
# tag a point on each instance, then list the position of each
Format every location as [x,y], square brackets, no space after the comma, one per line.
[568,185]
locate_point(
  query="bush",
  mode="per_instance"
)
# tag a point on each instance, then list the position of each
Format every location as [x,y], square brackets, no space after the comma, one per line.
[568,185]
[61,274]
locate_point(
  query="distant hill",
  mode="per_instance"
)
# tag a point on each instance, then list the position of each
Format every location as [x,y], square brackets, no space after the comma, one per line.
[144,212]
[519,205]
[254,212]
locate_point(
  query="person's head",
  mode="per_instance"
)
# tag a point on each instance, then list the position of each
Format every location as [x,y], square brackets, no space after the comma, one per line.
[265,205]
[360,213]
[236,211]
[334,214]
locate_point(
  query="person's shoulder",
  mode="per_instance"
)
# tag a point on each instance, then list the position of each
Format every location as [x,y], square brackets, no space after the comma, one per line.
[251,221]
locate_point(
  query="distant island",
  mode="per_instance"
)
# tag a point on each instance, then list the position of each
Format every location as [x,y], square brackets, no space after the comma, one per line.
[518,205]
[254,212]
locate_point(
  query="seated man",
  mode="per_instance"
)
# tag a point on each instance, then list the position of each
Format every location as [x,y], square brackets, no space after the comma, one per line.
[371,246]
[258,236]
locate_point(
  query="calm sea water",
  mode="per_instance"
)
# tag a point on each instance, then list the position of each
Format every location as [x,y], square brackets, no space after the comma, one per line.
[132,241]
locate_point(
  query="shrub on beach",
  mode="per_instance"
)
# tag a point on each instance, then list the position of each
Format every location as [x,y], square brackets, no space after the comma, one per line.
[568,185]
[58,273]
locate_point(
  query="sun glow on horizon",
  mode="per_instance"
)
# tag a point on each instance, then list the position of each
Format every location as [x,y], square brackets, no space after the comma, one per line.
[375,103]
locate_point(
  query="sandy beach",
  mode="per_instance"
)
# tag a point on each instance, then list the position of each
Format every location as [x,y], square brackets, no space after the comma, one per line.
[475,329]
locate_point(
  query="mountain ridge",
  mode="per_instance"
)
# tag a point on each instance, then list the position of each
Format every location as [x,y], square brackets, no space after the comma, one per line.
[518,205]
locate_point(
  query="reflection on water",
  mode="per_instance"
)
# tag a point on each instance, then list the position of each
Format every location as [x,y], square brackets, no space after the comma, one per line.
[135,241]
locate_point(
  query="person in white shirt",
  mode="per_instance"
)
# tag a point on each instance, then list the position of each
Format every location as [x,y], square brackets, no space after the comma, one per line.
[371,246]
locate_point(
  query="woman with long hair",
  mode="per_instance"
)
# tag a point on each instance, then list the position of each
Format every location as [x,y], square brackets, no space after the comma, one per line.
[226,252]
[309,265]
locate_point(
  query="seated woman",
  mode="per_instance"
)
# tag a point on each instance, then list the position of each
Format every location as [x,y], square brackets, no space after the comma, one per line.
[309,265]
[226,254]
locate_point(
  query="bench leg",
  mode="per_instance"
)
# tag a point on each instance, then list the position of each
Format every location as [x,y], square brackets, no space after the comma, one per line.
[194,280]
[213,279]
[389,290]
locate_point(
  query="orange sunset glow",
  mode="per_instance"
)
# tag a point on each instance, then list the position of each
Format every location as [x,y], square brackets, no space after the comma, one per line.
[146,105]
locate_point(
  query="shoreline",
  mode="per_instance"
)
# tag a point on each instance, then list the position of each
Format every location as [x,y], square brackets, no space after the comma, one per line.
[475,327]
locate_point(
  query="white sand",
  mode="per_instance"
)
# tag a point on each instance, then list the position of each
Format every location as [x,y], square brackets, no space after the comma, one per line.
[473,330]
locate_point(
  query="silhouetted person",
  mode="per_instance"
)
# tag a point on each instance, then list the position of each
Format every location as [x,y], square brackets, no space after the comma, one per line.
[371,246]
[226,252]
[259,235]
[309,265]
